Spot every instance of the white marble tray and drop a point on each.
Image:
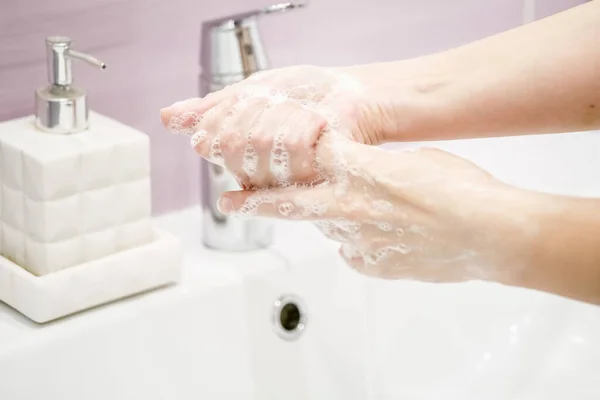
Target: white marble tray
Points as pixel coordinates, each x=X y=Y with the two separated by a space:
x=48 y=297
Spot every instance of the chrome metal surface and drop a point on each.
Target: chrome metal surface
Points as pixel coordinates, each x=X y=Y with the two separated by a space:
x=282 y=7
x=62 y=107
x=289 y=317
x=231 y=51
x=232 y=48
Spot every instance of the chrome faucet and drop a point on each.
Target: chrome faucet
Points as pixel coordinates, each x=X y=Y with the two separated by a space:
x=231 y=51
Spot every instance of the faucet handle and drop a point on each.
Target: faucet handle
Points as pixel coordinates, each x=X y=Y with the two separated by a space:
x=231 y=20
x=59 y=55
x=231 y=47
x=282 y=7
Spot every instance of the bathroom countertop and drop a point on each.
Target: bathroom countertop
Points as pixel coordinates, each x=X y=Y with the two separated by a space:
x=203 y=270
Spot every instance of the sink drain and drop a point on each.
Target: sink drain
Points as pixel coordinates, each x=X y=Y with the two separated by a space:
x=289 y=317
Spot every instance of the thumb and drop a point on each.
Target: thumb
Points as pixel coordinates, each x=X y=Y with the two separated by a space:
x=301 y=203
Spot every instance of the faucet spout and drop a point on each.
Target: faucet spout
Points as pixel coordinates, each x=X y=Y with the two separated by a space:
x=231 y=51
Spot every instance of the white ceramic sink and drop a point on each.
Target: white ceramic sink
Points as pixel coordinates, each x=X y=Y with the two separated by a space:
x=212 y=337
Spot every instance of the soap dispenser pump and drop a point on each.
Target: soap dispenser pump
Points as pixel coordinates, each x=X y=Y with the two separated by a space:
x=62 y=107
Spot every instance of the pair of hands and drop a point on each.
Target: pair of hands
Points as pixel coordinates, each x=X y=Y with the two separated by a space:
x=299 y=139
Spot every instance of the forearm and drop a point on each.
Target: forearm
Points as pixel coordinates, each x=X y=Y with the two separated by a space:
x=540 y=78
x=559 y=246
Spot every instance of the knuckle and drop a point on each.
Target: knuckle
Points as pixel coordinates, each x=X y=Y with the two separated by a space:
x=228 y=140
x=262 y=141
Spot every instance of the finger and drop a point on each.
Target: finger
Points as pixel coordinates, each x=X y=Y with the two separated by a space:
x=293 y=153
x=351 y=255
x=341 y=230
x=232 y=145
x=244 y=122
x=333 y=232
x=280 y=156
x=211 y=126
x=300 y=142
x=270 y=126
x=183 y=116
x=360 y=261
x=295 y=203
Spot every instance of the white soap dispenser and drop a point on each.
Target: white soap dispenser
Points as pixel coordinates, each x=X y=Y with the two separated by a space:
x=75 y=205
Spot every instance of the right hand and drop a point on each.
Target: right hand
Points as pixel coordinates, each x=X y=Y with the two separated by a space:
x=426 y=215
x=265 y=129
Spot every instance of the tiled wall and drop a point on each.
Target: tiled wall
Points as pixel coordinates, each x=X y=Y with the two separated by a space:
x=151 y=48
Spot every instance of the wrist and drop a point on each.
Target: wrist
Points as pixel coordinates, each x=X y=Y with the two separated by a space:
x=544 y=242
x=409 y=99
x=565 y=254
x=506 y=222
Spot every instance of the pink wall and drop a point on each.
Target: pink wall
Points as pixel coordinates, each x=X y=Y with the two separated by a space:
x=151 y=48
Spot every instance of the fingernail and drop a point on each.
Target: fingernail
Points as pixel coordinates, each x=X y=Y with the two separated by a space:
x=225 y=205
x=164 y=116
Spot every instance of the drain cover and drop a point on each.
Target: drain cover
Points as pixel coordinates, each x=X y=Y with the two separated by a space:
x=289 y=317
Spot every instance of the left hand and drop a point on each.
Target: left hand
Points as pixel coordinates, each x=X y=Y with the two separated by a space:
x=264 y=129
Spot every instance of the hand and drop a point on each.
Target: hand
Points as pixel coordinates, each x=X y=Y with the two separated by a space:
x=265 y=129
x=426 y=215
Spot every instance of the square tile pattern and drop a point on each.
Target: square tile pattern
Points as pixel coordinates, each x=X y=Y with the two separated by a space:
x=70 y=199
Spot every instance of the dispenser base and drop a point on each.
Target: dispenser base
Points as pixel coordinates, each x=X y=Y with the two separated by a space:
x=46 y=298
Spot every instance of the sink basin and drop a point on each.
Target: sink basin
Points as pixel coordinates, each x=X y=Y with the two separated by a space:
x=212 y=336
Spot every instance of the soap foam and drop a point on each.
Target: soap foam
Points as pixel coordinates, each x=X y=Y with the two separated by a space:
x=185 y=123
x=250 y=164
x=366 y=242
x=286 y=208
x=280 y=161
x=384 y=226
x=198 y=137
x=215 y=150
